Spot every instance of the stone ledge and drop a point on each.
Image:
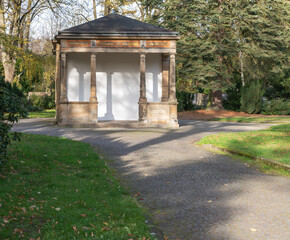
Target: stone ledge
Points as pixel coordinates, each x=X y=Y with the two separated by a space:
x=120 y=124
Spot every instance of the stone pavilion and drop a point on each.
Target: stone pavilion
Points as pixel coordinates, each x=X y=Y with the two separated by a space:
x=116 y=69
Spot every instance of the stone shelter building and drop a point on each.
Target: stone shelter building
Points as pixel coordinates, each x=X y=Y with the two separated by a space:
x=113 y=69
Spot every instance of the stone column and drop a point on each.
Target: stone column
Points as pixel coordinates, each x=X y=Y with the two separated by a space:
x=63 y=104
x=93 y=95
x=165 y=78
x=142 y=78
x=142 y=99
x=63 y=86
x=57 y=81
x=172 y=91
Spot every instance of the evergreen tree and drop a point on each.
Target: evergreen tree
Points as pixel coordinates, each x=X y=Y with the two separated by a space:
x=251 y=100
x=219 y=37
x=261 y=28
x=207 y=44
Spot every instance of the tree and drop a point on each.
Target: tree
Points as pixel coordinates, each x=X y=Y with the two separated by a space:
x=207 y=44
x=219 y=37
x=251 y=101
x=15 y=20
x=147 y=10
x=11 y=109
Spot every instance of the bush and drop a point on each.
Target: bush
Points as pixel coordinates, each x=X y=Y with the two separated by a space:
x=42 y=102
x=185 y=100
x=251 y=97
x=277 y=106
x=12 y=107
x=279 y=87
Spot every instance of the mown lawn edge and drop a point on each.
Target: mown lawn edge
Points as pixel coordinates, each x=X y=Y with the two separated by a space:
x=49 y=192
x=269 y=162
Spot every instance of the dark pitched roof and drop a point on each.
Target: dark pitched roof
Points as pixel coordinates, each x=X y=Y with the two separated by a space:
x=115 y=24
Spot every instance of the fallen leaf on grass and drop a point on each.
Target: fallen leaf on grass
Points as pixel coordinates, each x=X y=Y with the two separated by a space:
x=105 y=228
x=75 y=228
x=16 y=230
x=24 y=210
x=31 y=207
x=83 y=215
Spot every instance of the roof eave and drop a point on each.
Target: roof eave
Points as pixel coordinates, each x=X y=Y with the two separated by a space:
x=67 y=35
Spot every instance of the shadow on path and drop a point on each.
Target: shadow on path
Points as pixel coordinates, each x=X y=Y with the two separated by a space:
x=191 y=193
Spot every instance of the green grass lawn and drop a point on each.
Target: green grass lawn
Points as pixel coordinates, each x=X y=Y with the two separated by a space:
x=54 y=188
x=273 y=143
x=46 y=113
x=254 y=119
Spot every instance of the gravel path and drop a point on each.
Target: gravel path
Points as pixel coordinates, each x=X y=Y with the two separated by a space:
x=191 y=193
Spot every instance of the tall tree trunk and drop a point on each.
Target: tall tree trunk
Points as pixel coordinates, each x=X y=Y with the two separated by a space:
x=27 y=33
x=7 y=61
x=215 y=97
x=8 y=55
x=95 y=9
x=9 y=67
x=26 y=30
x=242 y=67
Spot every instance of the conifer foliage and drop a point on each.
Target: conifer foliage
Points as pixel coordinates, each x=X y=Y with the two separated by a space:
x=220 y=37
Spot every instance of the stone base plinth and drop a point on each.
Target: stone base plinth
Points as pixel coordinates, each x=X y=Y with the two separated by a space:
x=85 y=114
x=160 y=114
x=74 y=113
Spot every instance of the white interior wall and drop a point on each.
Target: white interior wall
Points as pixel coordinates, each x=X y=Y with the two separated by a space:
x=118 y=82
x=78 y=77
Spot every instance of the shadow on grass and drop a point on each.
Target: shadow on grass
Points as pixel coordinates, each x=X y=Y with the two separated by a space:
x=272 y=144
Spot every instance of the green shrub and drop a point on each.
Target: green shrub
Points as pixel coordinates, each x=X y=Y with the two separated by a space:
x=251 y=97
x=42 y=102
x=12 y=107
x=277 y=106
x=185 y=100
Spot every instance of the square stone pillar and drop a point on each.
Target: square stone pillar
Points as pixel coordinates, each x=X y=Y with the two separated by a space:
x=93 y=91
x=172 y=92
x=172 y=87
x=63 y=85
x=142 y=99
x=57 y=81
x=63 y=117
x=165 y=78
